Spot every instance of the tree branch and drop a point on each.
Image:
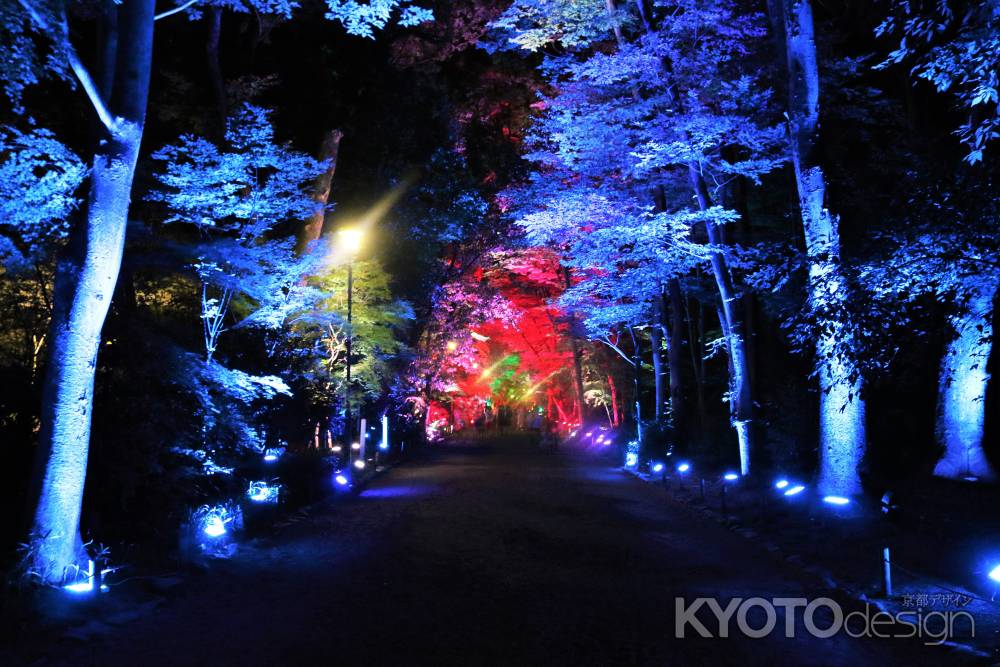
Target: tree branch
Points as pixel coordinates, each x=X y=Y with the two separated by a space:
x=607 y=341
x=176 y=10
x=79 y=69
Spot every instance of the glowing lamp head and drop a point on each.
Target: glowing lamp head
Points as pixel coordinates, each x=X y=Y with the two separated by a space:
x=341 y=480
x=657 y=467
x=350 y=239
x=80 y=587
x=730 y=477
x=262 y=492
x=359 y=464
x=781 y=484
x=683 y=467
x=795 y=490
x=836 y=500
x=995 y=574
x=356 y=446
x=631 y=459
x=588 y=434
x=337 y=449
x=384 y=446
x=214 y=526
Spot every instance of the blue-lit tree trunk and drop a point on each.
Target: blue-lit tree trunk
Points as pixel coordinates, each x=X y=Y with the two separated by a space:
x=85 y=281
x=841 y=409
x=962 y=389
x=733 y=328
x=674 y=353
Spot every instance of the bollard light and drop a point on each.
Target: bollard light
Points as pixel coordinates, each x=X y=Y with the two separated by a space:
x=342 y=480
x=730 y=477
x=657 y=467
x=683 y=467
x=87 y=585
x=359 y=464
x=781 y=484
x=262 y=492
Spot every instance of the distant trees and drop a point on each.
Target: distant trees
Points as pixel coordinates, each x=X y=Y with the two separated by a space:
x=666 y=121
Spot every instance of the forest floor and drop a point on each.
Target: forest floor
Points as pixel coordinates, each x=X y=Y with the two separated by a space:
x=484 y=552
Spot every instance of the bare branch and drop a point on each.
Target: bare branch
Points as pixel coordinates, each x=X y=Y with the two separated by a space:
x=607 y=341
x=176 y=10
x=79 y=69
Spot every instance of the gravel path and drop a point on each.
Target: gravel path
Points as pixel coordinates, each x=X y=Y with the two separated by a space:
x=490 y=552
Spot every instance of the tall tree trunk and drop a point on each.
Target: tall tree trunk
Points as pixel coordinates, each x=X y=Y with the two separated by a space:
x=841 y=409
x=674 y=351
x=84 y=283
x=731 y=319
x=213 y=16
x=615 y=420
x=962 y=390
x=577 y=355
x=656 y=351
x=696 y=337
x=636 y=382
x=313 y=227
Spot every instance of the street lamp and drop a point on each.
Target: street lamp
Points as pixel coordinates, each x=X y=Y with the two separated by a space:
x=350 y=239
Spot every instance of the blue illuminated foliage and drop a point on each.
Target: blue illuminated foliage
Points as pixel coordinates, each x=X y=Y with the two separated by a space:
x=239 y=192
x=364 y=18
x=956 y=48
x=633 y=151
x=38 y=179
x=27 y=58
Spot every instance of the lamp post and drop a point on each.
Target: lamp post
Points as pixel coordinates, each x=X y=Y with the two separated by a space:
x=351 y=242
